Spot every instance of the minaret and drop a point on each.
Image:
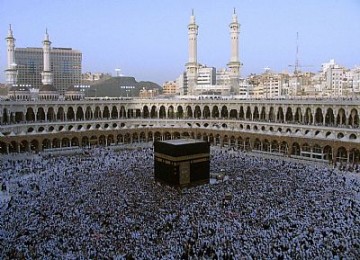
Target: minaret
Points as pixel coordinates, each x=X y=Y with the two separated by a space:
x=192 y=65
x=234 y=64
x=47 y=78
x=11 y=70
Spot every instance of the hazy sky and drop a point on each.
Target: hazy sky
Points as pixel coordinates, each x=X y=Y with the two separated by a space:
x=148 y=39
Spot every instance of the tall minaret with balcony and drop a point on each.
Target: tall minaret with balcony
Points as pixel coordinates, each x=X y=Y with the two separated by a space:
x=47 y=77
x=11 y=70
x=234 y=64
x=192 y=65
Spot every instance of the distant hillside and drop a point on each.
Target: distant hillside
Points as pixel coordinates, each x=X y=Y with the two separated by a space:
x=120 y=87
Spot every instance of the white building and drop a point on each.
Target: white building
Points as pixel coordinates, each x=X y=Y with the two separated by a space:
x=334 y=75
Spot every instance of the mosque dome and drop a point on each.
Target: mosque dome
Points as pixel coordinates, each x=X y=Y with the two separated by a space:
x=73 y=93
x=20 y=92
x=48 y=92
x=47 y=88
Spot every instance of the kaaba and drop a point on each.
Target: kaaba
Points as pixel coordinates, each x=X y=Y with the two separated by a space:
x=182 y=162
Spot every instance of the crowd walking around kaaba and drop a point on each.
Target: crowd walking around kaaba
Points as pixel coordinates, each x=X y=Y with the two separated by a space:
x=105 y=204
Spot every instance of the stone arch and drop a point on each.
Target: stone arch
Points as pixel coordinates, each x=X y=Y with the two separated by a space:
x=135 y=137
x=162 y=112
x=233 y=114
x=114 y=112
x=65 y=142
x=306 y=150
x=256 y=113
x=295 y=149
x=122 y=112
x=319 y=118
x=46 y=144
x=317 y=151
x=289 y=115
x=215 y=112
x=97 y=113
x=157 y=136
x=354 y=156
x=153 y=112
x=119 y=138
x=146 y=112
x=240 y=143
x=176 y=135
x=88 y=113
x=102 y=140
x=171 y=112
x=280 y=115
x=308 y=118
x=5 y=116
x=189 y=112
x=298 y=115
x=342 y=154
x=206 y=112
x=257 y=144
x=56 y=143
x=79 y=113
x=354 y=118
x=34 y=145
x=341 y=117
x=248 y=115
x=266 y=145
x=329 y=117
x=30 y=115
x=51 y=116
x=142 y=137
x=24 y=146
x=13 y=146
x=85 y=141
x=106 y=113
x=272 y=114
x=284 y=147
x=167 y=135
x=70 y=114
x=241 y=113
x=226 y=140
x=263 y=114
x=40 y=115
x=74 y=141
x=150 y=136
x=275 y=147
x=232 y=141
x=328 y=153
x=224 y=112
x=180 y=112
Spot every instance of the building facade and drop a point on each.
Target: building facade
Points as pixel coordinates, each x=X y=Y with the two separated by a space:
x=65 y=66
x=318 y=130
x=25 y=66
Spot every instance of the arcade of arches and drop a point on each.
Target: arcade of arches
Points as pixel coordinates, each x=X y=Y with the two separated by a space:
x=335 y=116
x=32 y=136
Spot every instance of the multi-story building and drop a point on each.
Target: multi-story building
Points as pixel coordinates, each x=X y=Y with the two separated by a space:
x=206 y=76
x=26 y=67
x=334 y=75
x=356 y=80
x=170 y=88
x=65 y=66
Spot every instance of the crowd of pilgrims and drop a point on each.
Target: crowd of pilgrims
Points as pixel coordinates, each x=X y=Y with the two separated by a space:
x=104 y=203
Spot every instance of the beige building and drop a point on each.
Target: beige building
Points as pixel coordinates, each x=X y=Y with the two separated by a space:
x=170 y=88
